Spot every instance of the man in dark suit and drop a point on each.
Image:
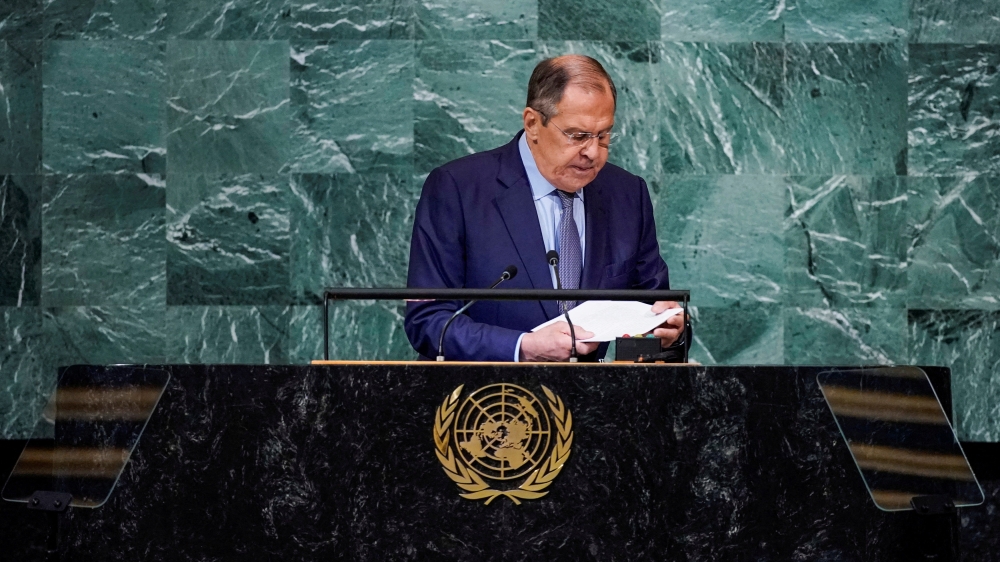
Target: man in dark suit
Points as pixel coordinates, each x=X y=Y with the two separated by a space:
x=550 y=188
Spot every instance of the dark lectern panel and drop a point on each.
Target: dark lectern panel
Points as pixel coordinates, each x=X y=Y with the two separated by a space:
x=338 y=463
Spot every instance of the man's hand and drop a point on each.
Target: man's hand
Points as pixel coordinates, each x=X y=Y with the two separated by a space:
x=552 y=343
x=669 y=331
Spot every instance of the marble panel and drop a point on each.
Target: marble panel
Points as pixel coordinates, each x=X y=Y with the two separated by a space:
x=845 y=20
x=228 y=239
x=352 y=105
x=102 y=240
x=721 y=21
x=143 y=20
x=21 y=107
x=954 y=126
x=103 y=107
x=945 y=21
x=738 y=335
x=469 y=97
x=599 y=20
x=634 y=69
x=231 y=20
x=350 y=230
x=348 y=19
x=227 y=334
x=359 y=330
x=228 y=106
x=954 y=252
x=476 y=19
x=722 y=108
x=24 y=385
x=967 y=341
x=721 y=237
x=21 y=19
x=102 y=335
x=845 y=336
x=845 y=111
x=846 y=241
x=21 y=239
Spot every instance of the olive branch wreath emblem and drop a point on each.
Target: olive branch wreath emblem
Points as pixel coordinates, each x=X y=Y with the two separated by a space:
x=475 y=487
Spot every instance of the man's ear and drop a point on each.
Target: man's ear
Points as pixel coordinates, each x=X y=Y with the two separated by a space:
x=532 y=121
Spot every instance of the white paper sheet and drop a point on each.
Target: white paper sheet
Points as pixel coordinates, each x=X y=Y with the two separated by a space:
x=611 y=319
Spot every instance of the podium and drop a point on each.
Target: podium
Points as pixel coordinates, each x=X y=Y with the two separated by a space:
x=347 y=461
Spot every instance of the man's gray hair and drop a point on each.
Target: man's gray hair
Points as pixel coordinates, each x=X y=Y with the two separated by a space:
x=551 y=77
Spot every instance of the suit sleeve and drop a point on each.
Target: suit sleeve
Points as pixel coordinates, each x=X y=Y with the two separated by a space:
x=438 y=260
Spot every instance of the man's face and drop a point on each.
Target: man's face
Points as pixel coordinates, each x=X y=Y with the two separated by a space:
x=567 y=166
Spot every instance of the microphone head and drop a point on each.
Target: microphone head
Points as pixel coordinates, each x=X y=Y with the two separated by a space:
x=510 y=272
x=553 y=257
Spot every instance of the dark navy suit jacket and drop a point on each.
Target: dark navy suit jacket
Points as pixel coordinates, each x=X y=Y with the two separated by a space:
x=476 y=216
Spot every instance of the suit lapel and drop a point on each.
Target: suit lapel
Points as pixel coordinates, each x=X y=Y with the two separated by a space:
x=597 y=240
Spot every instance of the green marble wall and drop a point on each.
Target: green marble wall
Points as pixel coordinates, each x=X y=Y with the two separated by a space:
x=180 y=178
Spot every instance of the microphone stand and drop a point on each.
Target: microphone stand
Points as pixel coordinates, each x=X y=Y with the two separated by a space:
x=554 y=262
x=508 y=273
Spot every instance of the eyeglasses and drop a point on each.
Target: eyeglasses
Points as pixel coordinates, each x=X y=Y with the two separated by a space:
x=582 y=138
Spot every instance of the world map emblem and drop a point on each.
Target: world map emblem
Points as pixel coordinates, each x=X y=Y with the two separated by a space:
x=502 y=441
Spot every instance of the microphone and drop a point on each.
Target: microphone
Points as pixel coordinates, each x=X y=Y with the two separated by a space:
x=553 y=257
x=508 y=273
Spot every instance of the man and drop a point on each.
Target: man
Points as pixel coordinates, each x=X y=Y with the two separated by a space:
x=550 y=188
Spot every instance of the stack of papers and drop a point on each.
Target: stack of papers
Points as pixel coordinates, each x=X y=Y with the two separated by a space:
x=612 y=319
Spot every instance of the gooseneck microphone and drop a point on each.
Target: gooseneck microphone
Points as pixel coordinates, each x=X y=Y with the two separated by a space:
x=508 y=273
x=553 y=257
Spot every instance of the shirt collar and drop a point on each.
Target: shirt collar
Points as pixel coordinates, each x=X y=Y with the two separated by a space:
x=540 y=187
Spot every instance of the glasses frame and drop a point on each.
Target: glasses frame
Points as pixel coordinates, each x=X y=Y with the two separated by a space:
x=583 y=138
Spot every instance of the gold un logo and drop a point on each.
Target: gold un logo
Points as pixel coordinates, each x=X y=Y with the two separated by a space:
x=502 y=433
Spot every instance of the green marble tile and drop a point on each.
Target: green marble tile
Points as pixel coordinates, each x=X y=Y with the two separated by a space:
x=945 y=21
x=634 y=69
x=352 y=105
x=103 y=106
x=599 y=20
x=103 y=335
x=24 y=384
x=954 y=92
x=721 y=237
x=722 y=108
x=846 y=241
x=102 y=241
x=21 y=19
x=227 y=334
x=476 y=19
x=967 y=341
x=228 y=239
x=845 y=336
x=359 y=330
x=469 y=97
x=350 y=230
x=738 y=335
x=228 y=106
x=21 y=238
x=721 y=21
x=347 y=19
x=106 y=19
x=21 y=102
x=234 y=19
x=845 y=109
x=845 y=20
x=955 y=249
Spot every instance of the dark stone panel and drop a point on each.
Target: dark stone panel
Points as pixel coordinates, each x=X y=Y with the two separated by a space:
x=21 y=238
x=359 y=331
x=24 y=383
x=234 y=19
x=476 y=19
x=945 y=21
x=142 y=20
x=979 y=535
x=228 y=106
x=743 y=334
x=104 y=335
x=103 y=240
x=599 y=20
x=228 y=334
x=954 y=92
x=228 y=240
x=348 y=19
x=845 y=336
x=21 y=19
x=103 y=106
x=21 y=102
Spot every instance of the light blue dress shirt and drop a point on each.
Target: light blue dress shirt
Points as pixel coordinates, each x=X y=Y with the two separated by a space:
x=548 y=205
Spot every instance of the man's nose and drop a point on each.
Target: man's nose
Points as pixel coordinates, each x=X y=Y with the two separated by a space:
x=590 y=149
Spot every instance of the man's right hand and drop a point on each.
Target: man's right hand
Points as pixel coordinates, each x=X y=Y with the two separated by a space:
x=552 y=343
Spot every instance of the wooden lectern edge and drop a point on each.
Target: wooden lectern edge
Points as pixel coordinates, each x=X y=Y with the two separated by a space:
x=482 y=363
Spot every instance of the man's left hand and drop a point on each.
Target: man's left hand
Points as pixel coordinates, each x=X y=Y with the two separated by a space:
x=669 y=331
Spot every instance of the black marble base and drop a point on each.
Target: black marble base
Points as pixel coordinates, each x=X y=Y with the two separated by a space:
x=338 y=463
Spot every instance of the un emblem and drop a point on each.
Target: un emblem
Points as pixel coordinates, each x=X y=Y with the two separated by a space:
x=502 y=432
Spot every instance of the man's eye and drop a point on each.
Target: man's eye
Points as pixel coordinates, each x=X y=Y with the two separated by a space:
x=581 y=136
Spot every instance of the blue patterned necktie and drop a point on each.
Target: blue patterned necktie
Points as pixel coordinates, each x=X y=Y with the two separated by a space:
x=570 y=255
